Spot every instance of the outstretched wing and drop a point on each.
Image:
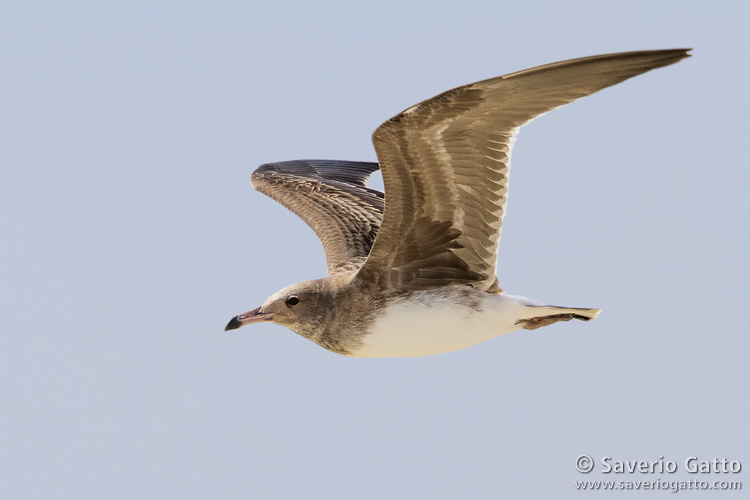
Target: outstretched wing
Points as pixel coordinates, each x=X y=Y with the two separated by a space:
x=331 y=197
x=446 y=162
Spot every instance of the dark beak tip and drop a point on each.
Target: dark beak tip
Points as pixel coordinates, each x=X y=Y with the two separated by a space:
x=233 y=324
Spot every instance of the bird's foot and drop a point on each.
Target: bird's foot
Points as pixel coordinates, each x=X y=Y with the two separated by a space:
x=534 y=323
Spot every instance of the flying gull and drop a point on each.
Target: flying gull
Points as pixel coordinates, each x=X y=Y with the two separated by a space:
x=413 y=273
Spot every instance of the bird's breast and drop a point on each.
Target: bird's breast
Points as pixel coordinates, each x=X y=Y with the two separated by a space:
x=433 y=323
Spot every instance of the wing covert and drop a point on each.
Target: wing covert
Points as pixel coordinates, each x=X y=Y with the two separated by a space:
x=332 y=198
x=446 y=161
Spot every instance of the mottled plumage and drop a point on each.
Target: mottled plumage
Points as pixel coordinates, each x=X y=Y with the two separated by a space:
x=428 y=255
x=331 y=197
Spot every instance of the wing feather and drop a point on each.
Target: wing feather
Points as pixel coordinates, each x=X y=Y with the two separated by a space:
x=446 y=163
x=332 y=198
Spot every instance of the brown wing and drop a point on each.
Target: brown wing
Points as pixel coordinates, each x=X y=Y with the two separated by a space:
x=446 y=162
x=331 y=197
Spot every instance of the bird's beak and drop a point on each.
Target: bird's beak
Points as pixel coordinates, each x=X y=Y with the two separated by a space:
x=254 y=316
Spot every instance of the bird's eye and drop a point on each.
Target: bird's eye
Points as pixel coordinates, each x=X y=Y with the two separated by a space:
x=292 y=300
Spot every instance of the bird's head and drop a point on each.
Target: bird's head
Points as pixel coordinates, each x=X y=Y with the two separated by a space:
x=302 y=308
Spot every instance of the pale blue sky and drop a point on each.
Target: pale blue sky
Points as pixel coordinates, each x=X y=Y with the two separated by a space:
x=131 y=235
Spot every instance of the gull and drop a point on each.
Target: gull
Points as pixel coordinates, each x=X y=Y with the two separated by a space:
x=412 y=272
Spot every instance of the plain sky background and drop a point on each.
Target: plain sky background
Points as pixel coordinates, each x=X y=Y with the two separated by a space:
x=131 y=235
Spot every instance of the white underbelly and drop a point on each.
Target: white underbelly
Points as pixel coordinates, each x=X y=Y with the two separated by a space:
x=429 y=325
